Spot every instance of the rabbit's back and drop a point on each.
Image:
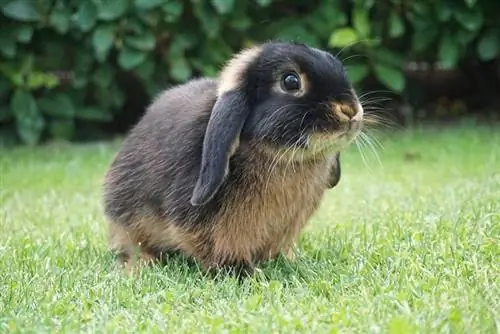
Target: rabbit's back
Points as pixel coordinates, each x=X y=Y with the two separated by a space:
x=157 y=167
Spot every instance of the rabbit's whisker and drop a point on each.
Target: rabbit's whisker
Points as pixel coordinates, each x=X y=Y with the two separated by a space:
x=350 y=45
x=275 y=161
x=368 y=140
x=360 y=96
x=352 y=57
x=361 y=153
x=291 y=158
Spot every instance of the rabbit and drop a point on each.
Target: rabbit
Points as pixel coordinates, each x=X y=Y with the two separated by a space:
x=227 y=171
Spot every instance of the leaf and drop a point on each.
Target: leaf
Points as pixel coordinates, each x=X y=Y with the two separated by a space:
x=134 y=26
x=145 y=42
x=59 y=105
x=388 y=57
x=449 y=51
x=130 y=58
x=93 y=114
x=325 y=18
x=464 y=37
x=199 y=64
x=368 y=4
x=145 y=70
x=470 y=19
x=29 y=121
x=150 y=18
x=360 y=21
x=263 y=3
x=357 y=72
x=223 y=6
x=489 y=45
x=396 y=26
x=102 y=39
x=24 y=33
x=86 y=16
x=390 y=77
x=153 y=88
x=109 y=10
x=60 y=18
x=36 y=80
x=221 y=53
x=12 y=73
x=80 y=80
x=240 y=23
x=470 y=3
x=102 y=76
x=172 y=10
x=179 y=44
x=343 y=37
x=8 y=45
x=26 y=65
x=21 y=10
x=208 y=19
x=298 y=33
x=422 y=8
x=147 y=4
x=444 y=11
x=423 y=38
x=180 y=70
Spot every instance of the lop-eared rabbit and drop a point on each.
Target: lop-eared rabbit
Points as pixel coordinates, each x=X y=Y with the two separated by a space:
x=228 y=170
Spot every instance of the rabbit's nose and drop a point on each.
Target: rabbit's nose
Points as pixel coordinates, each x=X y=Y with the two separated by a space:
x=347 y=110
x=344 y=111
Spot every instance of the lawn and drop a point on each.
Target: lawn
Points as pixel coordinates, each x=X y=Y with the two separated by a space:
x=410 y=244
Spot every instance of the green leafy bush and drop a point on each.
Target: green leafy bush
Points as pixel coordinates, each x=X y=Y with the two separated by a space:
x=73 y=69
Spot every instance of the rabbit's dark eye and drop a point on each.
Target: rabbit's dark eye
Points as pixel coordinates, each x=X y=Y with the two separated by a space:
x=290 y=82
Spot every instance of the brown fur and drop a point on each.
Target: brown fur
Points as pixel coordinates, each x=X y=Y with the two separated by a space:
x=246 y=229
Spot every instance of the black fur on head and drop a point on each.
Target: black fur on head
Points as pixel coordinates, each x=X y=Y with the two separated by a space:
x=280 y=95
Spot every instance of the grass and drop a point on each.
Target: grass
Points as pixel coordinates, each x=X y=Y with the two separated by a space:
x=412 y=245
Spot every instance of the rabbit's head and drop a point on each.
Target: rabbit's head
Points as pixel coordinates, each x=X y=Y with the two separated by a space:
x=284 y=97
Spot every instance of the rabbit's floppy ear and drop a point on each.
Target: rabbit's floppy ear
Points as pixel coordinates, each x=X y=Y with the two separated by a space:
x=221 y=139
x=224 y=127
x=335 y=172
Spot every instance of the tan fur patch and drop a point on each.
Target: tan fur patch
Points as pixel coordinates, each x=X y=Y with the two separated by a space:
x=150 y=232
x=266 y=220
x=233 y=72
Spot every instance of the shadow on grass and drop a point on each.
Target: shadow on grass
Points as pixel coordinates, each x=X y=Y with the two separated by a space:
x=310 y=266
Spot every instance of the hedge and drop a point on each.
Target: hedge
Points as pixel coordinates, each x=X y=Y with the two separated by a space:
x=73 y=69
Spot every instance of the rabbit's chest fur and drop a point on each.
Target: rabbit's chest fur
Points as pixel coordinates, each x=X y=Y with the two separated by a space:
x=267 y=212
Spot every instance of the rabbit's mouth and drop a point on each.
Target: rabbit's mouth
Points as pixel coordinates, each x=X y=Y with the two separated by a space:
x=329 y=143
x=349 y=123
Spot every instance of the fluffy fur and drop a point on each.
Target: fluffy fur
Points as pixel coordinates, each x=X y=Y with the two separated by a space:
x=229 y=170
